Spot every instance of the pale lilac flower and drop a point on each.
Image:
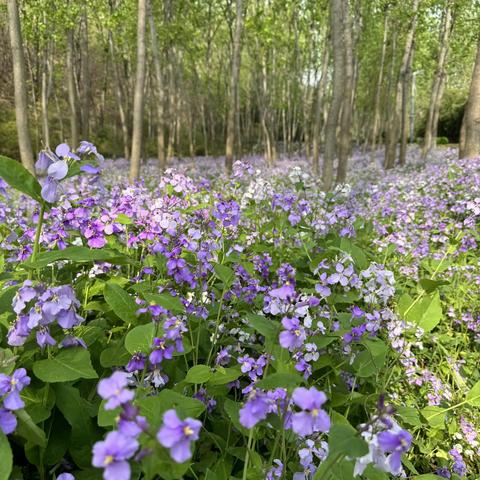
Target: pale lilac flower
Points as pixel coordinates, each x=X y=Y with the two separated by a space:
x=312 y=418
x=113 y=389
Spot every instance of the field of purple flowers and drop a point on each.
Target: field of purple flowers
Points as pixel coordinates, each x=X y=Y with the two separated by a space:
x=253 y=327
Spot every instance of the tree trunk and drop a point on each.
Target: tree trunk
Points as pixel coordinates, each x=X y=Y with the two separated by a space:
x=345 y=136
x=402 y=156
x=392 y=132
x=44 y=97
x=160 y=101
x=378 y=90
x=19 y=80
x=138 y=104
x=85 y=76
x=471 y=119
x=72 y=95
x=318 y=113
x=234 y=78
x=119 y=97
x=438 y=84
x=336 y=25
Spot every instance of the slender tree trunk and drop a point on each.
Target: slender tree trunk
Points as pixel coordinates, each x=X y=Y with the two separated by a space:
x=119 y=98
x=392 y=132
x=138 y=104
x=72 y=96
x=234 y=79
x=85 y=76
x=20 y=81
x=160 y=101
x=378 y=90
x=402 y=156
x=336 y=26
x=438 y=84
x=470 y=146
x=345 y=137
x=318 y=113
x=44 y=97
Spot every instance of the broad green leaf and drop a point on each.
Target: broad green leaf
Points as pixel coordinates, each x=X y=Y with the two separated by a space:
x=435 y=416
x=18 y=177
x=114 y=356
x=221 y=376
x=140 y=338
x=426 y=313
x=68 y=365
x=6 y=457
x=344 y=439
x=198 y=374
x=123 y=219
x=280 y=380
x=409 y=415
x=77 y=254
x=121 y=302
x=165 y=300
x=265 y=326
x=370 y=361
x=427 y=476
x=6 y=299
x=473 y=396
x=224 y=273
x=27 y=429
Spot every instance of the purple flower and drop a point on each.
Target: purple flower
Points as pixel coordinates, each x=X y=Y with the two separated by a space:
x=44 y=338
x=11 y=388
x=130 y=423
x=255 y=409
x=294 y=335
x=112 y=455
x=459 y=467
x=161 y=351
x=284 y=292
x=443 y=472
x=276 y=471
x=65 y=476
x=136 y=363
x=8 y=421
x=63 y=150
x=113 y=389
x=395 y=443
x=177 y=435
x=312 y=418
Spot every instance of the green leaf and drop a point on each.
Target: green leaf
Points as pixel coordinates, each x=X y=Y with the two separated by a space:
x=6 y=456
x=198 y=374
x=70 y=364
x=266 y=327
x=77 y=254
x=27 y=429
x=370 y=361
x=426 y=313
x=427 y=476
x=221 y=376
x=154 y=407
x=276 y=380
x=344 y=439
x=409 y=415
x=6 y=298
x=123 y=219
x=18 y=177
x=165 y=300
x=114 y=356
x=121 y=302
x=430 y=285
x=435 y=416
x=473 y=396
x=224 y=273
x=140 y=338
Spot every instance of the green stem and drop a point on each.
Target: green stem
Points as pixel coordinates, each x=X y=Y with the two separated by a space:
x=247 y=454
x=36 y=242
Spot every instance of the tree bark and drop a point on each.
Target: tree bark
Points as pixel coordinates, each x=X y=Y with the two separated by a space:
x=392 y=132
x=160 y=100
x=19 y=80
x=85 y=76
x=138 y=104
x=234 y=79
x=72 y=95
x=470 y=146
x=318 y=113
x=438 y=84
x=378 y=90
x=345 y=136
x=44 y=96
x=336 y=25
x=407 y=78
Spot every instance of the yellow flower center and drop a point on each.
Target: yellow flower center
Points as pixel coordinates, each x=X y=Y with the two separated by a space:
x=187 y=431
x=13 y=381
x=315 y=412
x=108 y=460
x=297 y=332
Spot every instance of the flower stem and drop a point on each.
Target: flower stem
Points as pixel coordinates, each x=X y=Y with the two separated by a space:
x=36 y=242
x=247 y=455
